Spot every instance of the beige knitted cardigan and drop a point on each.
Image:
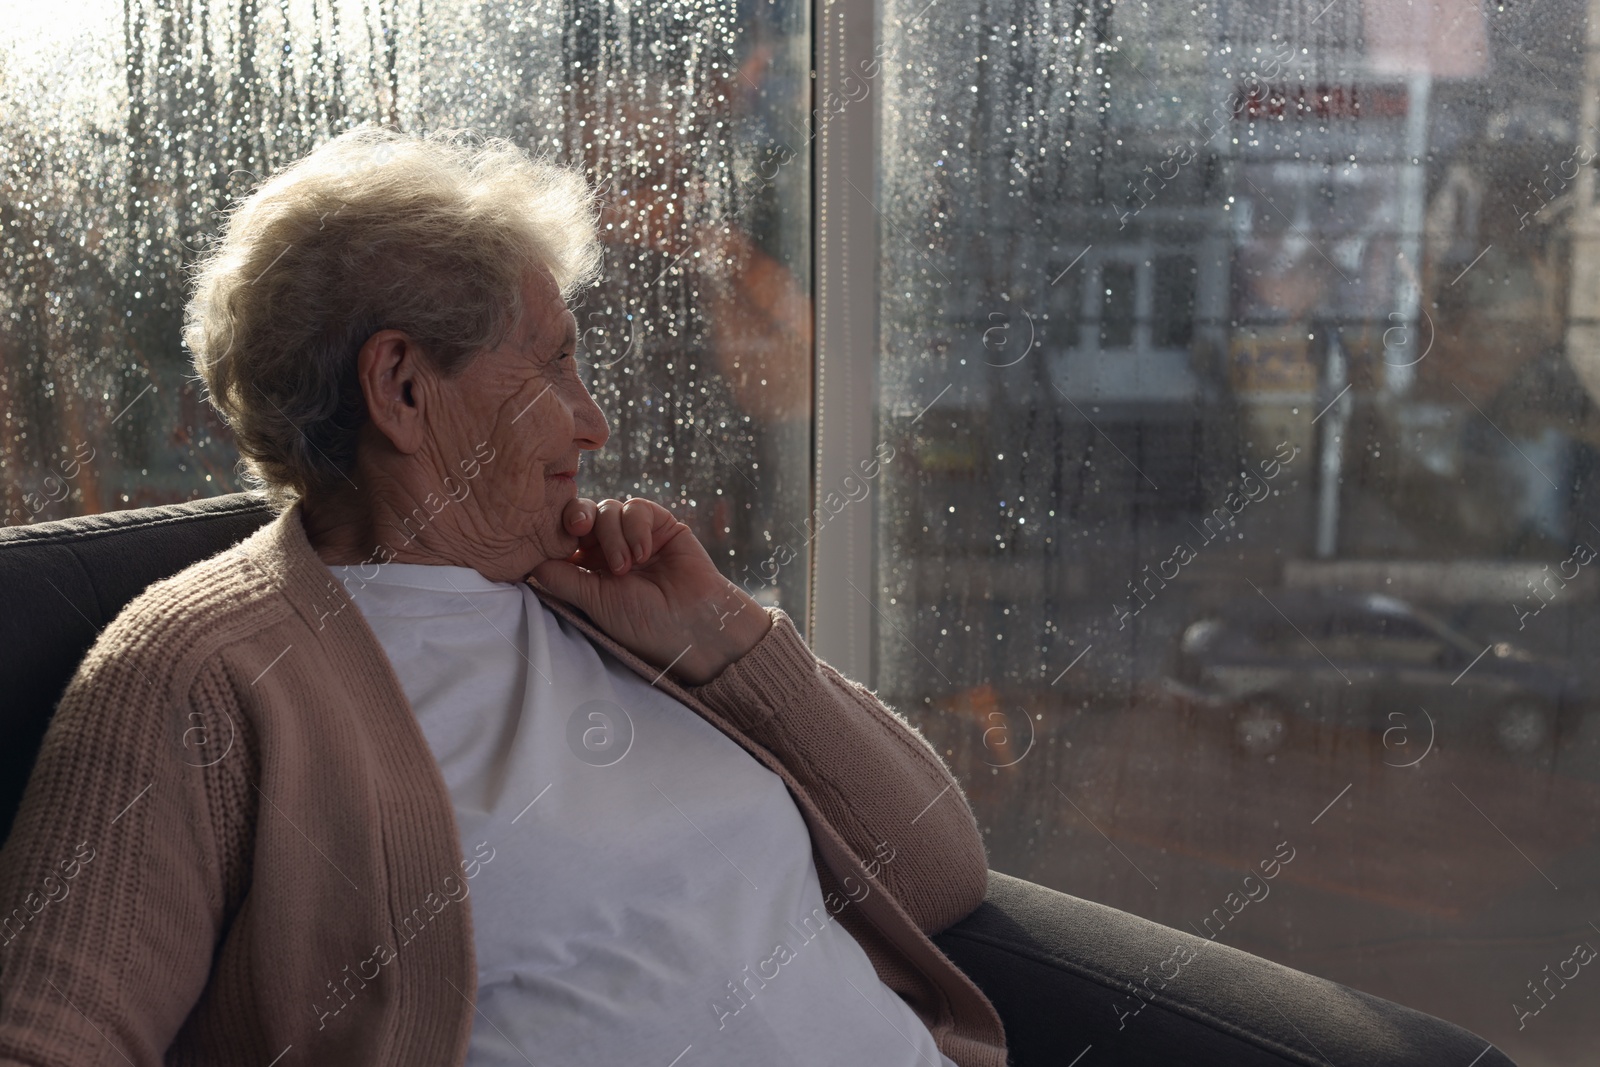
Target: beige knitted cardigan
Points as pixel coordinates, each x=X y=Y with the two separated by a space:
x=235 y=826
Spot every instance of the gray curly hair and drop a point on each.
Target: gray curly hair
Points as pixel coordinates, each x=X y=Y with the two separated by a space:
x=434 y=236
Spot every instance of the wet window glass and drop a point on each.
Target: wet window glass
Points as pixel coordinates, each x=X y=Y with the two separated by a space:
x=1282 y=529
x=128 y=128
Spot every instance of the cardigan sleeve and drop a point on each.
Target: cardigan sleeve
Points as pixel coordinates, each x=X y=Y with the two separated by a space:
x=870 y=771
x=113 y=888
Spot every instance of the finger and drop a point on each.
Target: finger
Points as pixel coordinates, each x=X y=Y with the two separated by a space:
x=638 y=518
x=578 y=516
x=608 y=533
x=673 y=532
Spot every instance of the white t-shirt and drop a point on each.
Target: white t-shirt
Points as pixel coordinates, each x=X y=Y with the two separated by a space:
x=651 y=900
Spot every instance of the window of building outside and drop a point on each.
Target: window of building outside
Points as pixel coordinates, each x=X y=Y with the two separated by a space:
x=1237 y=363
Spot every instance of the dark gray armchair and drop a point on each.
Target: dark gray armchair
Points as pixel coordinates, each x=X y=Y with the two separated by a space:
x=1065 y=974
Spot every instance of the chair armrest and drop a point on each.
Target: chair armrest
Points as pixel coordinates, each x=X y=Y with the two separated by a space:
x=1066 y=974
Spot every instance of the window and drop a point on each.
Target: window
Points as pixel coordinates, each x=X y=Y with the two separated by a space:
x=1328 y=280
x=127 y=130
x=1161 y=337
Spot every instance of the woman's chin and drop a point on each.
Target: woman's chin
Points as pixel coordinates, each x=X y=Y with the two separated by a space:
x=564 y=543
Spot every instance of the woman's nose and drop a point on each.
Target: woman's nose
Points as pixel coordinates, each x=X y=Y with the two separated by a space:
x=590 y=428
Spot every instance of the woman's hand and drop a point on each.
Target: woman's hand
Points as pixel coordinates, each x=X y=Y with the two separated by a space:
x=645 y=579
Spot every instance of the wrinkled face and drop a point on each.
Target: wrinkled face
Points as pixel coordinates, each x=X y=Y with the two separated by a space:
x=511 y=429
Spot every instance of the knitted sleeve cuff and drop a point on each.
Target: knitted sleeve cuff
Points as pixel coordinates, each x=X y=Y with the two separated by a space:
x=753 y=687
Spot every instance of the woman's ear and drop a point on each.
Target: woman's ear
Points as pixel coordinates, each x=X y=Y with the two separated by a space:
x=389 y=366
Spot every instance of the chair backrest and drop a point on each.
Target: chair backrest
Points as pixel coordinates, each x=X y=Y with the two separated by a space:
x=64 y=581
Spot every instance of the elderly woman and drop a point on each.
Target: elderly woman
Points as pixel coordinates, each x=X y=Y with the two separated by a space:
x=448 y=764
